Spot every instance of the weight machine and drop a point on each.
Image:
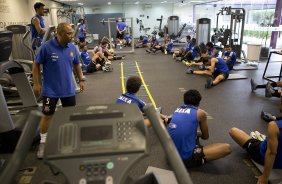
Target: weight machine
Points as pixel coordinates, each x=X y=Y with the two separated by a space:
x=232 y=35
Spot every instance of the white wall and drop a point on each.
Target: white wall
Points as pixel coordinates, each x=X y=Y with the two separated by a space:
x=13 y=12
x=21 y=11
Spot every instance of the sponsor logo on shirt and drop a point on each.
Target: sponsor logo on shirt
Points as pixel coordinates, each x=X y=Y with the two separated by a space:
x=71 y=54
x=124 y=99
x=54 y=57
x=181 y=110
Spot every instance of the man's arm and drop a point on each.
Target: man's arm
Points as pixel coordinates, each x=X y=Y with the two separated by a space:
x=271 y=152
x=36 y=78
x=212 y=67
x=78 y=71
x=36 y=23
x=202 y=118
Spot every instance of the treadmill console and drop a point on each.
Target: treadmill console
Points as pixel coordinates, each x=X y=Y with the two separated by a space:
x=96 y=144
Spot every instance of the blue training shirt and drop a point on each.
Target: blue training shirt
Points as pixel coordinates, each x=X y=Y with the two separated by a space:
x=130 y=98
x=221 y=66
x=263 y=147
x=183 y=130
x=57 y=64
x=121 y=25
x=81 y=33
x=211 y=51
x=34 y=33
x=231 y=55
x=85 y=58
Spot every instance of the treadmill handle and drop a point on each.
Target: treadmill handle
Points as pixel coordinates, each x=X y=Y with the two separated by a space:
x=8 y=174
x=175 y=161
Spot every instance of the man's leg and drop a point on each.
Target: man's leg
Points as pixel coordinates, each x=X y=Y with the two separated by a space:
x=48 y=109
x=218 y=79
x=216 y=151
x=239 y=136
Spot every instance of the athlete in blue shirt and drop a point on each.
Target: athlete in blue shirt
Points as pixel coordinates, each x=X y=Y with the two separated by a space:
x=58 y=58
x=185 y=122
x=211 y=51
x=218 y=70
x=121 y=27
x=229 y=57
x=267 y=152
x=142 y=42
x=37 y=25
x=82 y=31
x=133 y=85
x=89 y=64
x=127 y=40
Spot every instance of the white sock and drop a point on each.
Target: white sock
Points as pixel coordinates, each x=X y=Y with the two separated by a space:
x=43 y=137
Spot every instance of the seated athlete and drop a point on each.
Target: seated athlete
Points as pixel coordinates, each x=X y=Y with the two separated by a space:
x=229 y=57
x=141 y=42
x=127 y=40
x=168 y=45
x=267 y=152
x=89 y=65
x=218 y=70
x=133 y=85
x=182 y=129
x=211 y=51
x=182 y=51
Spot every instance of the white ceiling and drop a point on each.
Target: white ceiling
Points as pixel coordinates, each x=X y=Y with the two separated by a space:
x=90 y=3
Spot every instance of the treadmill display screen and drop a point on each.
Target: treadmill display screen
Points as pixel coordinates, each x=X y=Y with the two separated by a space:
x=96 y=133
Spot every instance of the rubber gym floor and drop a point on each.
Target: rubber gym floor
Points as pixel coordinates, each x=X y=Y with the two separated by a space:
x=230 y=104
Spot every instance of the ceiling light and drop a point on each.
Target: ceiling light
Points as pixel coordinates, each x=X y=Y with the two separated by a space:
x=109 y=3
x=197 y=1
x=81 y=4
x=162 y=2
x=165 y=1
x=137 y=2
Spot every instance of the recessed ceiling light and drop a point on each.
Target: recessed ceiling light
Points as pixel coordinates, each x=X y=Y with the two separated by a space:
x=137 y=2
x=80 y=4
x=109 y=3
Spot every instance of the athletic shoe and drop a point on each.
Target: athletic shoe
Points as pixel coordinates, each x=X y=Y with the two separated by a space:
x=147 y=50
x=202 y=67
x=108 y=62
x=267 y=116
x=189 y=71
x=209 y=83
x=40 y=151
x=260 y=136
x=253 y=135
x=173 y=55
x=269 y=90
x=165 y=51
x=253 y=85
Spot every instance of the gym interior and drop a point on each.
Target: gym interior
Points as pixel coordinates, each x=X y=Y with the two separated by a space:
x=83 y=143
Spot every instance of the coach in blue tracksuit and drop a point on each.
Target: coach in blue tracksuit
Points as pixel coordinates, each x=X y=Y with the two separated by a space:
x=58 y=58
x=182 y=129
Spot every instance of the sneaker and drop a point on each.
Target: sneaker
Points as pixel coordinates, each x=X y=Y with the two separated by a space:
x=147 y=50
x=108 y=62
x=253 y=135
x=189 y=71
x=178 y=58
x=165 y=52
x=202 y=67
x=269 y=90
x=173 y=55
x=267 y=116
x=253 y=85
x=260 y=136
x=40 y=151
x=209 y=83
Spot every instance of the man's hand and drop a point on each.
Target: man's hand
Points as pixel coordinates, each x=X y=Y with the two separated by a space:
x=37 y=89
x=82 y=86
x=262 y=180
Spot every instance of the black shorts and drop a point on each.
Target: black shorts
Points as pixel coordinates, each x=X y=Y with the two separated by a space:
x=197 y=158
x=216 y=73
x=82 y=40
x=252 y=146
x=119 y=36
x=91 y=67
x=49 y=104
